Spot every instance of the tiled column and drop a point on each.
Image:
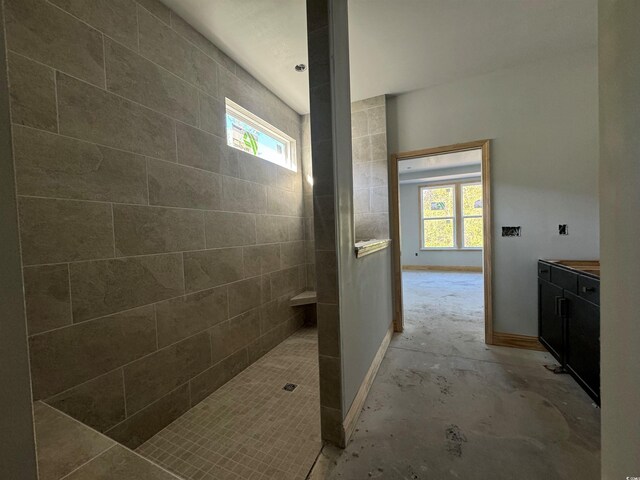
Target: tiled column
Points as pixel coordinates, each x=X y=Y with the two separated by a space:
x=17 y=453
x=330 y=142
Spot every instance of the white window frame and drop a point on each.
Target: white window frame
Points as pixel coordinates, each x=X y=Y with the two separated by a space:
x=463 y=216
x=235 y=110
x=458 y=215
x=423 y=219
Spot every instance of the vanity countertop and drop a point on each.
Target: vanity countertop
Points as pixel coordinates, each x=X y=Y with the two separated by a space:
x=587 y=267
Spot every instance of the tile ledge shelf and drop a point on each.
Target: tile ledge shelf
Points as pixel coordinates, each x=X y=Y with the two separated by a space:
x=371 y=246
x=305 y=298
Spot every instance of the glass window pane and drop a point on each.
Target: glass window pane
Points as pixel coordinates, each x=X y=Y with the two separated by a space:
x=471 y=200
x=437 y=202
x=244 y=137
x=438 y=233
x=473 y=232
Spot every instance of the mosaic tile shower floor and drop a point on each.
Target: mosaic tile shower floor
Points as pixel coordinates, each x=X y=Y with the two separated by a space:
x=251 y=428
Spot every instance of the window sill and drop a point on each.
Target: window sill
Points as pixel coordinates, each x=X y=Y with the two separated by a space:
x=371 y=246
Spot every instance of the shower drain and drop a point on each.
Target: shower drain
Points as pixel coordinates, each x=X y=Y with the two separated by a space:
x=290 y=387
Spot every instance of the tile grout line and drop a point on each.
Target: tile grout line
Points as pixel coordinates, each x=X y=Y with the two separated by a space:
x=124 y=395
x=115 y=444
x=158 y=159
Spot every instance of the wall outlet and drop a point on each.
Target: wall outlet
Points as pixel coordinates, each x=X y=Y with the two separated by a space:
x=416 y=254
x=511 y=231
x=562 y=229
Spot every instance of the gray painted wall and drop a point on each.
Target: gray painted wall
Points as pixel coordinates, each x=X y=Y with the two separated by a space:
x=17 y=450
x=410 y=224
x=543 y=122
x=365 y=284
x=619 y=71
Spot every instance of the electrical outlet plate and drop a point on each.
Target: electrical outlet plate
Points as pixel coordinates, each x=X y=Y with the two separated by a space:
x=511 y=231
x=563 y=229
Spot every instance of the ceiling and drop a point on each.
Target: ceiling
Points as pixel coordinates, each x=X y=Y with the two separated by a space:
x=395 y=46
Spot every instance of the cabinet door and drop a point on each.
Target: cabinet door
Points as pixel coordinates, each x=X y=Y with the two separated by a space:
x=583 y=343
x=550 y=322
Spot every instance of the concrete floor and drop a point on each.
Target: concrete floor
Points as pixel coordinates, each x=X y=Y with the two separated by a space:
x=446 y=406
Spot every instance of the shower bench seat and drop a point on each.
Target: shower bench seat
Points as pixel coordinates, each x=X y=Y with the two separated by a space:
x=305 y=298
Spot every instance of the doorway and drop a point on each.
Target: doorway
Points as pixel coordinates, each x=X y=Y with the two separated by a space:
x=446 y=180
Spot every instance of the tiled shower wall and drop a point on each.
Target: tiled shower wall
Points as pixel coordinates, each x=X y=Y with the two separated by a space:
x=158 y=262
x=370 y=175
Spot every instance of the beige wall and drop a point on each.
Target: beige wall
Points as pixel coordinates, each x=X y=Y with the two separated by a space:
x=619 y=78
x=158 y=262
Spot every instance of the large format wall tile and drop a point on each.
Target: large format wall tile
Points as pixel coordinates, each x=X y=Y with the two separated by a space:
x=285 y=281
x=210 y=268
x=106 y=286
x=138 y=79
x=62 y=443
x=158 y=9
x=53 y=231
x=177 y=186
x=200 y=149
x=275 y=313
x=213 y=378
x=255 y=169
x=165 y=47
x=43 y=32
x=141 y=426
x=212 y=115
x=182 y=317
x=141 y=230
x=33 y=94
x=91 y=114
x=116 y=18
x=234 y=334
x=292 y=254
x=55 y=166
x=225 y=229
x=272 y=229
x=63 y=358
x=283 y=202
x=98 y=403
x=157 y=374
x=244 y=295
x=46 y=294
x=195 y=37
x=243 y=196
x=261 y=259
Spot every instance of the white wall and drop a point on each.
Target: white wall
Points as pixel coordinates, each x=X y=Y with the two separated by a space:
x=543 y=122
x=619 y=71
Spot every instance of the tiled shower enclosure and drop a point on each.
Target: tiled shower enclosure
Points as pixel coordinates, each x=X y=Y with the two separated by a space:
x=158 y=262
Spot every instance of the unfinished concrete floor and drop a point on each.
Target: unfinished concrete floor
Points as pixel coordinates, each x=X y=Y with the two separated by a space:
x=446 y=406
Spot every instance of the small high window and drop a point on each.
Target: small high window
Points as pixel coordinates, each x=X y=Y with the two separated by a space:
x=251 y=134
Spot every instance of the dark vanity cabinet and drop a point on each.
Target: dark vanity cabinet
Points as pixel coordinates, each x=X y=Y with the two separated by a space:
x=569 y=319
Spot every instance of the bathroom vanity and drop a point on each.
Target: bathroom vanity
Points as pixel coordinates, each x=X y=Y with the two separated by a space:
x=569 y=318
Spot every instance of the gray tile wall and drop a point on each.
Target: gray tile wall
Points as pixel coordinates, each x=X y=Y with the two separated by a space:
x=158 y=262
x=370 y=176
